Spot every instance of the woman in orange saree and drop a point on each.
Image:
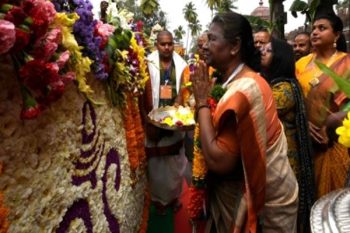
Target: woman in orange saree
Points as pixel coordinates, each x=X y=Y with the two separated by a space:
x=324 y=101
x=250 y=181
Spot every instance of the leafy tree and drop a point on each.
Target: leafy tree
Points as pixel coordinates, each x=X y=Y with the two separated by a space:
x=278 y=18
x=226 y=5
x=190 y=16
x=212 y=4
x=195 y=27
x=258 y=23
x=149 y=19
x=221 y=5
x=302 y=7
x=309 y=9
x=148 y=7
x=189 y=12
x=178 y=33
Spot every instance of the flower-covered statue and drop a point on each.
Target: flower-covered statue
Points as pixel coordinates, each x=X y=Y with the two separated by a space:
x=78 y=164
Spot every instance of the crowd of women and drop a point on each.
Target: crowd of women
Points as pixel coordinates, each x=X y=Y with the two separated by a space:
x=270 y=144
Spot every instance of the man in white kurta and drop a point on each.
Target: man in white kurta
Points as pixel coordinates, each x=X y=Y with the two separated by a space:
x=166 y=158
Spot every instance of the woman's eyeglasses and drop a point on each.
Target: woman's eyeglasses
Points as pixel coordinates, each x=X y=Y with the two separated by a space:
x=266 y=50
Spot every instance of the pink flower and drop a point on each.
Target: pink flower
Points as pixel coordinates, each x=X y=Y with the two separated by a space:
x=7 y=36
x=104 y=30
x=62 y=59
x=42 y=12
x=47 y=45
x=69 y=76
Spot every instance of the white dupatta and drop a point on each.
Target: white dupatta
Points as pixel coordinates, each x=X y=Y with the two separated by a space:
x=154 y=71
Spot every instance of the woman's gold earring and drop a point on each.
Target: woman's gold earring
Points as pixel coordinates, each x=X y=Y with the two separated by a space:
x=334 y=44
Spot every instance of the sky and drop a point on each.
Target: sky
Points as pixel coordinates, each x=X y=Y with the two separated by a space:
x=174 y=8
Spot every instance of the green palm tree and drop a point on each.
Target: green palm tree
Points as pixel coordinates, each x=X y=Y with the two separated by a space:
x=226 y=5
x=213 y=4
x=179 y=32
x=189 y=12
x=195 y=27
x=190 y=16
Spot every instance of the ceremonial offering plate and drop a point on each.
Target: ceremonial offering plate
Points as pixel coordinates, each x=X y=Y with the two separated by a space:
x=173 y=118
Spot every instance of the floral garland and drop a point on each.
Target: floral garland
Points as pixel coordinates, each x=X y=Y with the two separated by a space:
x=84 y=32
x=134 y=136
x=196 y=206
x=80 y=63
x=67 y=46
x=129 y=70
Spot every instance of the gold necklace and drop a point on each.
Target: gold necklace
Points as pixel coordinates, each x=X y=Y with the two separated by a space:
x=315 y=80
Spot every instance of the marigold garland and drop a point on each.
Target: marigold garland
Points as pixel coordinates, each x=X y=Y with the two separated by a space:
x=131 y=140
x=199 y=172
x=134 y=135
x=140 y=135
x=199 y=165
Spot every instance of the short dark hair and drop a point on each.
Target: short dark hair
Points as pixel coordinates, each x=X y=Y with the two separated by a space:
x=164 y=32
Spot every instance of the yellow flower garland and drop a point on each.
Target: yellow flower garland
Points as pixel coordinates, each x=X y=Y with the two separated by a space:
x=78 y=63
x=140 y=56
x=199 y=166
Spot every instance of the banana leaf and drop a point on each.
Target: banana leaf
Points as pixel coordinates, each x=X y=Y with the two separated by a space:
x=342 y=82
x=312 y=9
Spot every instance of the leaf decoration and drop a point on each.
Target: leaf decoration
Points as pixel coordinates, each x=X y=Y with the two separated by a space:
x=342 y=82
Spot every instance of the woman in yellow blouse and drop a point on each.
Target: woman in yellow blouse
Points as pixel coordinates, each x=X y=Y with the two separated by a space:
x=324 y=100
x=277 y=61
